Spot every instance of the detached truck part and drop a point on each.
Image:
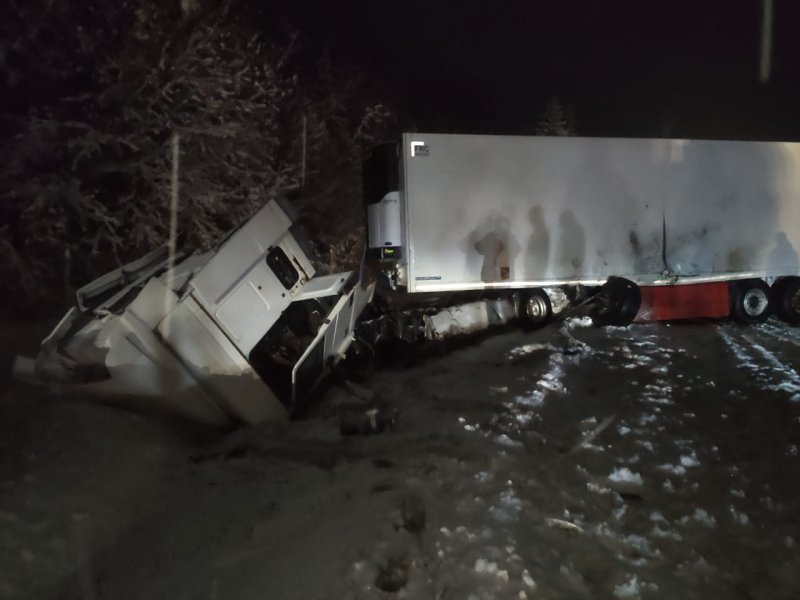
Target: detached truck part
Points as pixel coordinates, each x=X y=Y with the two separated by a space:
x=239 y=335
x=669 y=228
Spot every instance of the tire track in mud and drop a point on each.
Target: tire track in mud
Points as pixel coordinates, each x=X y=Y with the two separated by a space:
x=480 y=549
x=766 y=365
x=647 y=508
x=477 y=494
x=622 y=551
x=778 y=330
x=668 y=508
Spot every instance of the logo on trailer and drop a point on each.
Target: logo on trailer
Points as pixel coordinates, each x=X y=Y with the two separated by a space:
x=420 y=149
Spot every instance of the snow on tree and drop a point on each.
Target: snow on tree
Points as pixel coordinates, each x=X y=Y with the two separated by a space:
x=92 y=94
x=555 y=120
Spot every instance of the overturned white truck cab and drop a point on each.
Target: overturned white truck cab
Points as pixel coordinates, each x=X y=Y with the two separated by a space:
x=241 y=334
x=666 y=228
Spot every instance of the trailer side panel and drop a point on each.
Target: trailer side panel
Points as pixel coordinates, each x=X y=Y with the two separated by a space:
x=505 y=212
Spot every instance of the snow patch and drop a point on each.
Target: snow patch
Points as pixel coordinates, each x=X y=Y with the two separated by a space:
x=633 y=587
x=507 y=509
x=598 y=489
x=657 y=400
x=528 y=580
x=533 y=399
x=504 y=440
x=579 y=322
x=674 y=469
x=529 y=349
x=690 y=461
x=629 y=589
x=699 y=516
x=738 y=517
x=647 y=419
x=483 y=476
x=669 y=534
x=625 y=475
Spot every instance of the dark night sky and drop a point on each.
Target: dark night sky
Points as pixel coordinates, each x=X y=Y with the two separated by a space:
x=628 y=68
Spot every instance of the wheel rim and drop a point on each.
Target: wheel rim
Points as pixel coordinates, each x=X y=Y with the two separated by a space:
x=755 y=302
x=536 y=309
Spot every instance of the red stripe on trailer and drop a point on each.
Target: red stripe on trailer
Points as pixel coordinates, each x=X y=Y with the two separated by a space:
x=694 y=301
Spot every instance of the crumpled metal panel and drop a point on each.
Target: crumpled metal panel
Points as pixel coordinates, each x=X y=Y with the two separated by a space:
x=468 y=318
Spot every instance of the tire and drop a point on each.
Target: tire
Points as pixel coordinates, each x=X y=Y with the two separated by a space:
x=785 y=299
x=618 y=303
x=535 y=309
x=750 y=301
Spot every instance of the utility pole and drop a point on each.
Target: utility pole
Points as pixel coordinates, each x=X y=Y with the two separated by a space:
x=765 y=59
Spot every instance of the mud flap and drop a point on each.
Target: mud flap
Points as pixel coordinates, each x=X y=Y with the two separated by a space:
x=329 y=347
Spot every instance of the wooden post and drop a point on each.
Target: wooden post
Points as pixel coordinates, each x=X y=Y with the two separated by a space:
x=765 y=59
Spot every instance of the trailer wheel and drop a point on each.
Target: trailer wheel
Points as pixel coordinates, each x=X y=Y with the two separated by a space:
x=535 y=308
x=749 y=301
x=618 y=303
x=785 y=299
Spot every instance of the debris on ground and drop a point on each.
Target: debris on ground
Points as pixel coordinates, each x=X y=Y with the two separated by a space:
x=473 y=493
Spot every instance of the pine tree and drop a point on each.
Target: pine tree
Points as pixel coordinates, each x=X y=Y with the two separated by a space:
x=554 y=120
x=92 y=95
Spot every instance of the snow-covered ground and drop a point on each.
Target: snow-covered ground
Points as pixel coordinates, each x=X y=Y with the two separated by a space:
x=651 y=461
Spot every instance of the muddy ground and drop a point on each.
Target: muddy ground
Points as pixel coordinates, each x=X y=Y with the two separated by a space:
x=651 y=461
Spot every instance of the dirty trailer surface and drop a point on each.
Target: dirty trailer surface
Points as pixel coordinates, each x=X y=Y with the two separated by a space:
x=649 y=461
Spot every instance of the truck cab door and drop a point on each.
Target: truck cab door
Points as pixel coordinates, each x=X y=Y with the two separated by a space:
x=331 y=343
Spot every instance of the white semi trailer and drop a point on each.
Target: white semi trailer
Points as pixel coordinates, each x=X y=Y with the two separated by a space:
x=673 y=228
